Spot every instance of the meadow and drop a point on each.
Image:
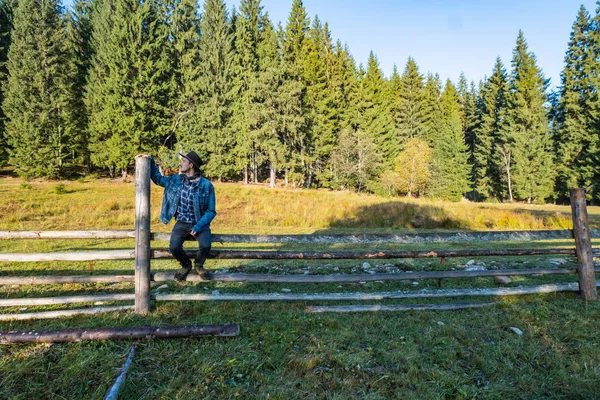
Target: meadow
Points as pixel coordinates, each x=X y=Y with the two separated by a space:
x=282 y=351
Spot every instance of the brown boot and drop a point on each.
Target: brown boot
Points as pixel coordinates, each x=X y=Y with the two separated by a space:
x=183 y=272
x=204 y=274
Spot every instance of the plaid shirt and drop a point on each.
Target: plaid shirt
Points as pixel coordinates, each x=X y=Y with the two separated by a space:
x=185 y=210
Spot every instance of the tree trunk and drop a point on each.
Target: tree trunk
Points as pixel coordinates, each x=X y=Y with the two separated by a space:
x=273 y=172
x=246 y=175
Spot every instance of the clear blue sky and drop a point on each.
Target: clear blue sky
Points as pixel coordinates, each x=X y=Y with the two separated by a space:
x=443 y=36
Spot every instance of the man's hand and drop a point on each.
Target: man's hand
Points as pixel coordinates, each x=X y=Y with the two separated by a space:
x=193 y=233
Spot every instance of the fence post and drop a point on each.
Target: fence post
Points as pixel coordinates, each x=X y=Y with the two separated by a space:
x=142 y=235
x=583 y=244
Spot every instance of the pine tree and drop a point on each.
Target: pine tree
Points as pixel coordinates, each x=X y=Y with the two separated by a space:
x=38 y=98
x=320 y=108
x=411 y=110
x=468 y=99
x=79 y=37
x=450 y=169
x=432 y=122
x=128 y=89
x=245 y=75
x=376 y=113
x=526 y=136
x=293 y=38
x=184 y=23
x=575 y=138
x=6 y=25
x=215 y=139
x=487 y=161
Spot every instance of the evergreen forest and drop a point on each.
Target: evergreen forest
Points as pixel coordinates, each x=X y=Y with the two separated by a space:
x=89 y=87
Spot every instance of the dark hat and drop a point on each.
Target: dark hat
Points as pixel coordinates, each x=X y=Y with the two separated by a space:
x=194 y=158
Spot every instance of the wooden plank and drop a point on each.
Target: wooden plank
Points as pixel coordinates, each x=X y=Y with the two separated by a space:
x=140 y=332
x=51 y=280
x=62 y=313
x=583 y=244
x=44 y=301
x=108 y=234
x=429 y=237
x=398 y=307
x=278 y=255
x=334 y=278
x=142 y=235
x=414 y=294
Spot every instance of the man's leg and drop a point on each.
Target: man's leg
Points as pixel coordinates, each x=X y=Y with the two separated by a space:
x=204 y=240
x=180 y=232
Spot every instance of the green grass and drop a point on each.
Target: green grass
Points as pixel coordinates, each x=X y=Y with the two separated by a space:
x=283 y=352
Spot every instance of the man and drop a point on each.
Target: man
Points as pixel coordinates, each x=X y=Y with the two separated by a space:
x=190 y=198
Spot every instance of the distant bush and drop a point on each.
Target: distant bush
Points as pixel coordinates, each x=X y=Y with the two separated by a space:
x=60 y=189
x=25 y=186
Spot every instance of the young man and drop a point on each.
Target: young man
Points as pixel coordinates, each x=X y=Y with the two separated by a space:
x=190 y=198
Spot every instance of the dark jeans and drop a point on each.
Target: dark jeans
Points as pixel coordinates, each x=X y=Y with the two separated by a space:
x=181 y=232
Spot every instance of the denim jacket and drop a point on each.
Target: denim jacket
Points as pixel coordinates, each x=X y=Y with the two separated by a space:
x=204 y=198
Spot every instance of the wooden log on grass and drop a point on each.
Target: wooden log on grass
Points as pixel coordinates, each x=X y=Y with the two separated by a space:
x=44 y=301
x=62 y=313
x=398 y=307
x=585 y=258
x=408 y=294
x=278 y=255
x=110 y=234
x=338 y=278
x=53 y=280
x=433 y=237
x=139 y=332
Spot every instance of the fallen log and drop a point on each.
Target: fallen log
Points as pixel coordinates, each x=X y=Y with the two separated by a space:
x=44 y=301
x=140 y=332
x=407 y=294
x=62 y=313
x=398 y=307
x=277 y=255
x=296 y=278
x=49 y=280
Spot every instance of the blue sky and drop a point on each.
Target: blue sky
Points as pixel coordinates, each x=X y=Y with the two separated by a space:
x=443 y=36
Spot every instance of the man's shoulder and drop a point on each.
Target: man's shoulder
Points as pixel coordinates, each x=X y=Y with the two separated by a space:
x=206 y=183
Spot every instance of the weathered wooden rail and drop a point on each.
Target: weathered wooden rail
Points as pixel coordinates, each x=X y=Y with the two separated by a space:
x=143 y=253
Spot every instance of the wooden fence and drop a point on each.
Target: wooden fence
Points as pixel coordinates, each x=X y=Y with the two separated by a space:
x=143 y=253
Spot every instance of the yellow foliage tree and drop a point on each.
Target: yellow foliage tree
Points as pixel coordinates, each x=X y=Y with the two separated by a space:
x=412 y=167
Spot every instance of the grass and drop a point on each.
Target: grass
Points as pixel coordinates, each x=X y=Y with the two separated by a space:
x=283 y=352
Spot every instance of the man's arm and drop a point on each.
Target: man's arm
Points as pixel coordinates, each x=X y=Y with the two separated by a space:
x=155 y=174
x=209 y=214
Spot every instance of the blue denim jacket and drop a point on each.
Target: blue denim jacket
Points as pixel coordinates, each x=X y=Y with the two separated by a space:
x=204 y=198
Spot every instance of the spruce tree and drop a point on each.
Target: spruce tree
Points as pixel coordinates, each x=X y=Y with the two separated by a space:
x=184 y=26
x=468 y=99
x=526 y=135
x=215 y=140
x=38 y=97
x=128 y=89
x=6 y=25
x=293 y=38
x=450 y=169
x=487 y=160
x=432 y=122
x=245 y=75
x=376 y=113
x=411 y=110
x=320 y=110
x=575 y=136
x=79 y=38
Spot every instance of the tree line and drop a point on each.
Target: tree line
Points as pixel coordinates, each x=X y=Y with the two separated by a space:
x=107 y=79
